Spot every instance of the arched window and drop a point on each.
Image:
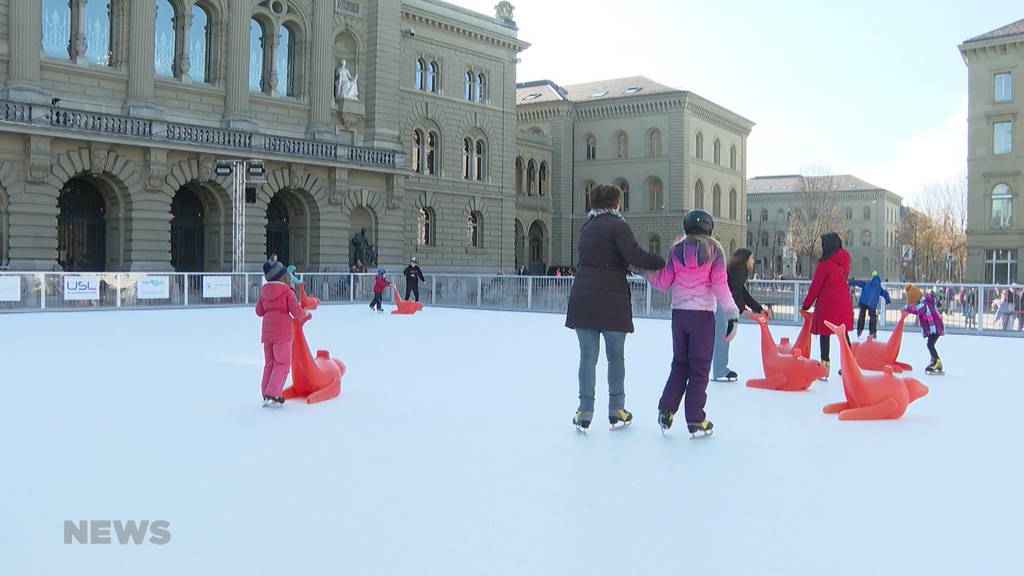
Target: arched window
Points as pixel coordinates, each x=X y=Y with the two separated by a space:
x=621 y=146
x=867 y=212
x=285 y=67
x=764 y=214
x=165 y=39
x=257 y=55
x=425 y=227
x=732 y=203
x=473 y=230
x=481 y=160
x=417 y=150
x=519 y=174
x=624 y=186
x=750 y=217
x=542 y=181
x=750 y=238
x=1002 y=206
x=699 y=148
x=56 y=29
x=732 y=157
x=654 y=244
x=698 y=195
x=431 y=155
x=467 y=158
x=591 y=146
x=848 y=213
x=865 y=265
x=848 y=238
x=470 y=79
x=718 y=151
x=531 y=177
x=481 y=88
x=865 y=238
x=780 y=238
x=433 y=77
x=586 y=195
x=716 y=201
x=655 y=195
x=654 y=143
x=781 y=216
x=420 y=79
x=764 y=238
x=199 y=49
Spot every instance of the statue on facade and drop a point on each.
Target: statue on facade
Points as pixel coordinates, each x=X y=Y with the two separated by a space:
x=345 y=83
x=504 y=11
x=362 y=250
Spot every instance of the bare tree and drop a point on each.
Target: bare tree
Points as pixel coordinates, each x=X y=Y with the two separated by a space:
x=815 y=211
x=939 y=228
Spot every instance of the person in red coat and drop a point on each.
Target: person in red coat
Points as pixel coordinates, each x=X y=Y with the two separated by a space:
x=277 y=306
x=829 y=293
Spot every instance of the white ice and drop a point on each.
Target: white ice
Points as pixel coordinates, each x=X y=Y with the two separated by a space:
x=450 y=451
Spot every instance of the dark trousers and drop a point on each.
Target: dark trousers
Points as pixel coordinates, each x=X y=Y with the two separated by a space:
x=375 y=303
x=825 y=343
x=872 y=325
x=413 y=287
x=931 y=346
x=693 y=343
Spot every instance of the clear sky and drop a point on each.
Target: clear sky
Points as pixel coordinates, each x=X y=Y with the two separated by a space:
x=873 y=88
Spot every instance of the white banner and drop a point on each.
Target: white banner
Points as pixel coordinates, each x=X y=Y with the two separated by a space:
x=154 y=288
x=10 y=288
x=81 y=288
x=216 y=286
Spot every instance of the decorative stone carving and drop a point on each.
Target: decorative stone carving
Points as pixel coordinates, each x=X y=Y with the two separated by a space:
x=156 y=168
x=505 y=11
x=38 y=159
x=297 y=178
x=98 y=159
x=395 y=193
x=345 y=83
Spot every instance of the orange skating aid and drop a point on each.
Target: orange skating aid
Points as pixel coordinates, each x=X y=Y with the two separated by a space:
x=803 y=340
x=405 y=306
x=314 y=378
x=875 y=396
x=874 y=355
x=782 y=371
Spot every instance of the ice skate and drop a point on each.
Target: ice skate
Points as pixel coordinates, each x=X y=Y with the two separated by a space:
x=729 y=377
x=620 y=419
x=700 y=430
x=582 y=421
x=935 y=368
x=275 y=402
x=266 y=400
x=664 y=420
x=824 y=378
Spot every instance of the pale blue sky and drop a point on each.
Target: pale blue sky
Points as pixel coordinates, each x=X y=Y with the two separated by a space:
x=874 y=88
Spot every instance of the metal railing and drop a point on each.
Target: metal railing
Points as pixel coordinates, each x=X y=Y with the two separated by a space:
x=966 y=308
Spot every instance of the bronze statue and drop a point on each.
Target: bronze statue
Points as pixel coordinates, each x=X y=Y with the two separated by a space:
x=362 y=250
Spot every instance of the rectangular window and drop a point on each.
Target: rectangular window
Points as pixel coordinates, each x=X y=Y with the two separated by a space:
x=1002 y=211
x=1004 y=87
x=1000 y=266
x=1002 y=133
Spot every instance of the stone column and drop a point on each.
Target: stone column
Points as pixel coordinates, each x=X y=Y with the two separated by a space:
x=236 y=81
x=321 y=70
x=183 y=52
x=142 y=27
x=25 y=41
x=79 y=42
x=383 y=73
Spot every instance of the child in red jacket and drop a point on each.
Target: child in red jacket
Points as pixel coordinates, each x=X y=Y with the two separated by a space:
x=379 y=284
x=277 y=306
x=830 y=293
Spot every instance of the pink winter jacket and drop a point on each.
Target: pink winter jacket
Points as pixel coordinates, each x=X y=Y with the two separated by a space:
x=698 y=282
x=277 y=302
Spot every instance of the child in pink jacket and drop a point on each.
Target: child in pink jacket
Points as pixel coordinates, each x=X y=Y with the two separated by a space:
x=696 y=275
x=277 y=306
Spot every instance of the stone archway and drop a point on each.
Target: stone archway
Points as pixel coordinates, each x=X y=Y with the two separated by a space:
x=81 y=227
x=292 y=225
x=188 y=236
x=538 y=248
x=362 y=220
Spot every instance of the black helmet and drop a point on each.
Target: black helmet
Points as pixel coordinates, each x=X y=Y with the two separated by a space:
x=698 y=222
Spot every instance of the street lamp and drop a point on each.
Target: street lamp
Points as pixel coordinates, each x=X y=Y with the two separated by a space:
x=246 y=174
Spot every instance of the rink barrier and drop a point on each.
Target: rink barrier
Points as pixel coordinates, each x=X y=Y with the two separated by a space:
x=68 y=291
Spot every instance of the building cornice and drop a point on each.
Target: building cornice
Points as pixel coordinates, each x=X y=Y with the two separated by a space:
x=425 y=17
x=714 y=114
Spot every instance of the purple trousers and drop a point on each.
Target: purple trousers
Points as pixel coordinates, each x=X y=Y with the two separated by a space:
x=693 y=344
x=277 y=362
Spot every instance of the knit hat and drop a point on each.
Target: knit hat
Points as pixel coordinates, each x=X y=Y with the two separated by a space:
x=413 y=259
x=874 y=273
x=267 y=265
x=914 y=294
x=273 y=271
x=381 y=272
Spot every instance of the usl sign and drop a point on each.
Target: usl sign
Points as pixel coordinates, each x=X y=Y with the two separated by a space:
x=154 y=288
x=10 y=288
x=216 y=286
x=81 y=288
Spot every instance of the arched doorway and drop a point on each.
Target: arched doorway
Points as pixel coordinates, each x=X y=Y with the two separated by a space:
x=519 y=239
x=361 y=219
x=187 y=235
x=277 y=229
x=81 y=227
x=537 y=264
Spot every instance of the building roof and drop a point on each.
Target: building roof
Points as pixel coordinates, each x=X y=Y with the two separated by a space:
x=1014 y=29
x=791 y=183
x=548 y=91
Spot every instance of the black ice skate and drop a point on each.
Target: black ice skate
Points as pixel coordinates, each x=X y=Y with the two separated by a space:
x=620 y=419
x=582 y=421
x=664 y=420
x=701 y=430
x=274 y=402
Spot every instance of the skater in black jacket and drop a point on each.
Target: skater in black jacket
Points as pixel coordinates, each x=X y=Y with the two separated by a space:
x=413 y=277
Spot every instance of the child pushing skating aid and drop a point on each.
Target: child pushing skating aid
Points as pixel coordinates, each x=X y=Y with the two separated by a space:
x=930 y=319
x=277 y=304
x=379 y=284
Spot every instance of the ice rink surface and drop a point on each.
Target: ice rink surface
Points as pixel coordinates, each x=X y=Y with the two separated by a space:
x=450 y=451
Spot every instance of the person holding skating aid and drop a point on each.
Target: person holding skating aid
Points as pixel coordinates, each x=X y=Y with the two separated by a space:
x=870 y=291
x=740 y=265
x=696 y=275
x=928 y=317
x=379 y=284
x=829 y=293
x=277 y=305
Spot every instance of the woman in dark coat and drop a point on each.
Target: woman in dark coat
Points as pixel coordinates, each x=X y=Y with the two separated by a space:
x=600 y=303
x=739 y=267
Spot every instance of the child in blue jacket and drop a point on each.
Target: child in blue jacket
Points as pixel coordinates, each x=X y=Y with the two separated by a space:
x=870 y=291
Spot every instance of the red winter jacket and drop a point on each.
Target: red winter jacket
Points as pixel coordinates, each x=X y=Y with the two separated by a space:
x=830 y=293
x=277 y=302
x=379 y=284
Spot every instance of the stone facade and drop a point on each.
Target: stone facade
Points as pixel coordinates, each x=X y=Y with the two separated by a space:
x=872 y=217
x=109 y=135
x=635 y=133
x=995 y=155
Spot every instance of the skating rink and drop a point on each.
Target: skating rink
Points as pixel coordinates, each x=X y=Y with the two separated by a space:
x=451 y=452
